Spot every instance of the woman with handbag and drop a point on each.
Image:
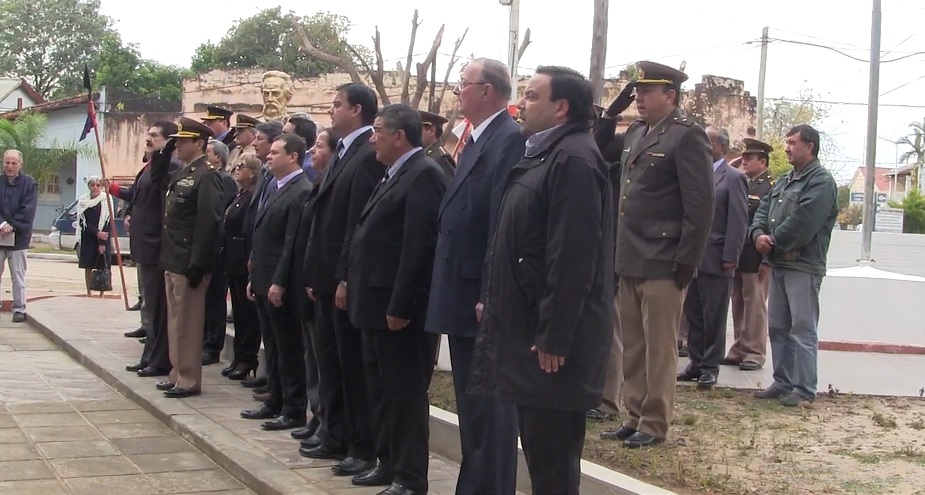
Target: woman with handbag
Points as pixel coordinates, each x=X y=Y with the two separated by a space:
x=94 y=251
x=238 y=231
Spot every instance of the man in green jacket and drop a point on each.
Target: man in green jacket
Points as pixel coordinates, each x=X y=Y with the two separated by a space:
x=792 y=229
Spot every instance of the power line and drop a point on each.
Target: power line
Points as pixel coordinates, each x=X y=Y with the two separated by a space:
x=851 y=103
x=816 y=45
x=904 y=85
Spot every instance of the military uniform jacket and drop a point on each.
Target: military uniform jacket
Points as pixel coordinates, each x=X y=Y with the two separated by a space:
x=236 y=155
x=192 y=215
x=759 y=187
x=438 y=154
x=665 y=209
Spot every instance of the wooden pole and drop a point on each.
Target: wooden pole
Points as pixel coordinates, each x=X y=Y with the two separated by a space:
x=598 y=49
x=112 y=216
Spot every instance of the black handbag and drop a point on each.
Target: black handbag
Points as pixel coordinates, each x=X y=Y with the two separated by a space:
x=101 y=278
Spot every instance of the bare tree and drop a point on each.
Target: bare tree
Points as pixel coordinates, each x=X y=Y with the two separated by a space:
x=435 y=105
x=312 y=51
x=406 y=76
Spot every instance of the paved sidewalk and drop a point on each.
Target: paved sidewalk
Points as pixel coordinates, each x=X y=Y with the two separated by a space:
x=268 y=462
x=64 y=431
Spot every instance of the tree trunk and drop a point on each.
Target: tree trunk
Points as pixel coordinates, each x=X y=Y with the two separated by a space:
x=422 y=69
x=310 y=50
x=449 y=69
x=406 y=80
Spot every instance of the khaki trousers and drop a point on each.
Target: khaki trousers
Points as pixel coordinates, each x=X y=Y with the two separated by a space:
x=186 y=313
x=749 y=319
x=650 y=312
x=613 y=380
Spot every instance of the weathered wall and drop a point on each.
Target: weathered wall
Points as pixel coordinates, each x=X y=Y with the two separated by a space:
x=716 y=100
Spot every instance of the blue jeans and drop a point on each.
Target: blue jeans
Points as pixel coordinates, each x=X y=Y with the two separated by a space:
x=793 y=326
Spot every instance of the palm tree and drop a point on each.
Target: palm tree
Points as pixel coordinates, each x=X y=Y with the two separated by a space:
x=25 y=133
x=915 y=141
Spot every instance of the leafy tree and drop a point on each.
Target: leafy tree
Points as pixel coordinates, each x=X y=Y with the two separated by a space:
x=916 y=153
x=851 y=215
x=121 y=66
x=844 y=197
x=25 y=134
x=781 y=115
x=913 y=206
x=48 y=42
x=266 y=40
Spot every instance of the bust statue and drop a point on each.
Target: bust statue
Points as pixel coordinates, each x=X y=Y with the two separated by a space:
x=276 y=88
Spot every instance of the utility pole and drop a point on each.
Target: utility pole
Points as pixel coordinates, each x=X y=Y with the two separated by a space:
x=513 y=43
x=598 y=48
x=762 y=72
x=870 y=157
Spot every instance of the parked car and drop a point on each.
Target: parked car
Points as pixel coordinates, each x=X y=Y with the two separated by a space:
x=65 y=234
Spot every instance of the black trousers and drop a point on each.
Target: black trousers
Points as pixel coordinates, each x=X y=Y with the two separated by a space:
x=552 y=443
x=154 y=291
x=487 y=432
x=706 y=307
x=286 y=381
x=398 y=367
x=246 y=323
x=306 y=321
x=330 y=380
x=213 y=334
x=349 y=424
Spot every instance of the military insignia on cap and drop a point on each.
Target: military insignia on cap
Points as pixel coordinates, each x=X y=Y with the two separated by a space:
x=640 y=73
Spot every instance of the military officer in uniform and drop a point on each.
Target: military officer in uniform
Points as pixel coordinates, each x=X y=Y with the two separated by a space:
x=191 y=224
x=750 y=285
x=219 y=120
x=433 y=131
x=244 y=136
x=665 y=212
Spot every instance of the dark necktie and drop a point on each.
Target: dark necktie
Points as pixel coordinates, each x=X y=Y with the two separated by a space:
x=335 y=161
x=265 y=190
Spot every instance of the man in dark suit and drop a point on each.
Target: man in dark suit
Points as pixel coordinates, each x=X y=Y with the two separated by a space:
x=391 y=255
x=271 y=263
x=548 y=314
x=345 y=188
x=191 y=222
x=148 y=203
x=750 y=285
x=707 y=303
x=468 y=213
x=665 y=210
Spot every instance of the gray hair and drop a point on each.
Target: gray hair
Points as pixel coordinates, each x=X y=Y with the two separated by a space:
x=220 y=149
x=722 y=137
x=497 y=75
x=94 y=179
x=14 y=152
x=403 y=118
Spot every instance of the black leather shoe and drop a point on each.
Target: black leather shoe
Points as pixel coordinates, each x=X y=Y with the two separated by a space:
x=304 y=433
x=227 y=371
x=378 y=476
x=243 y=371
x=311 y=442
x=689 y=375
x=262 y=412
x=728 y=362
x=180 y=393
x=706 y=381
x=254 y=382
x=142 y=340
x=136 y=306
x=749 y=366
x=398 y=489
x=136 y=334
x=135 y=367
x=260 y=390
x=640 y=439
x=283 y=423
x=322 y=452
x=599 y=415
x=149 y=371
x=208 y=359
x=620 y=434
x=165 y=386
x=351 y=466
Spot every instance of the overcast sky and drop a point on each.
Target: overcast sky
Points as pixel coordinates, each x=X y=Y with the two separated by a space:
x=719 y=37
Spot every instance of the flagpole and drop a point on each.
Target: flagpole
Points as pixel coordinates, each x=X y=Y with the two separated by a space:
x=91 y=111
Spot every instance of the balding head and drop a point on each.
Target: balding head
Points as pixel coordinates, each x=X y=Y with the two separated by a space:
x=12 y=163
x=484 y=89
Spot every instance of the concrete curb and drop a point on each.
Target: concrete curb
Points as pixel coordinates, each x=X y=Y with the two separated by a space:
x=52 y=257
x=259 y=472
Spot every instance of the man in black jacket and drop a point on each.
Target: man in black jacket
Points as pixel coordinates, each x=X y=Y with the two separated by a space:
x=191 y=222
x=147 y=203
x=548 y=315
x=275 y=230
x=391 y=255
x=343 y=192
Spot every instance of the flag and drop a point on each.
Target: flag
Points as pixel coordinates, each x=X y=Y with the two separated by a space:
x=91 y=109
